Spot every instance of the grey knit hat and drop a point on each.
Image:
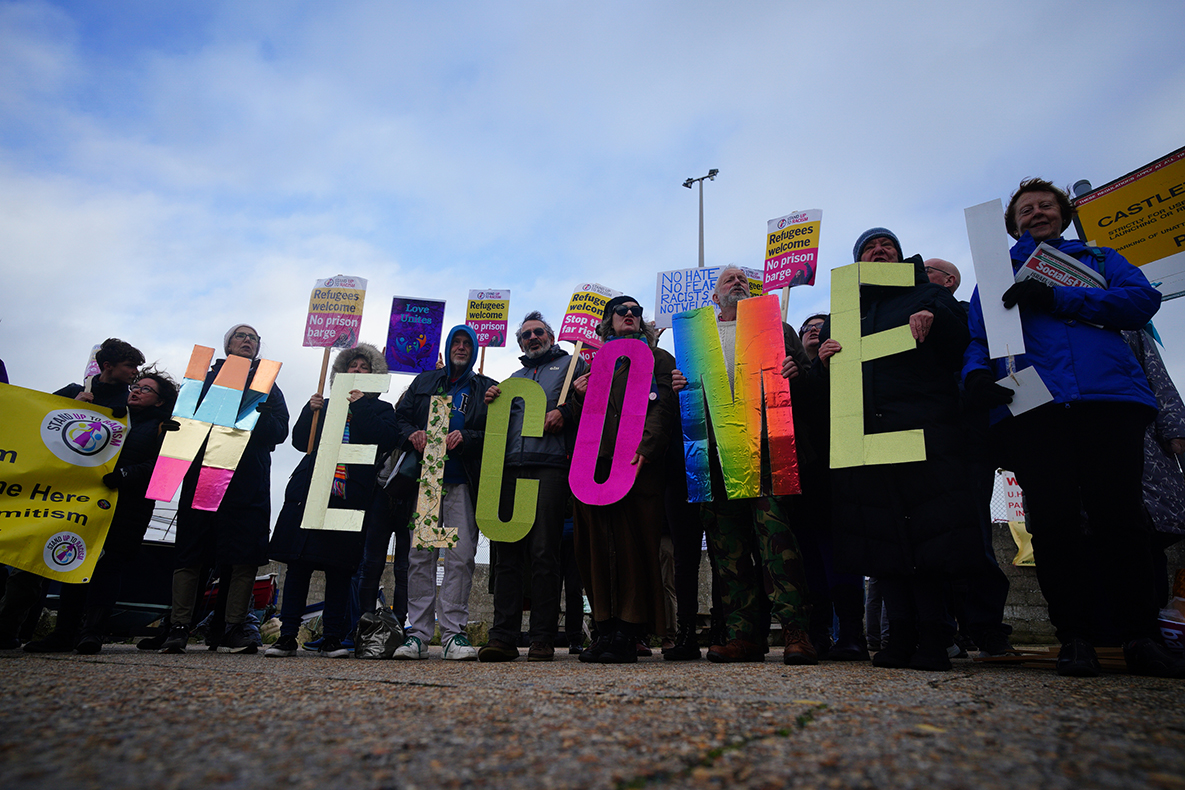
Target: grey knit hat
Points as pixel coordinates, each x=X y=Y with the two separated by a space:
x=236 y=328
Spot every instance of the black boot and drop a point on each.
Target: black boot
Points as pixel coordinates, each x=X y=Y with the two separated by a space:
x=899 y=649
x=931 y=654
x=622 y=647
x=850 y=644
x=686 y=643
x=90 y=636
x=157 y=641
x=605 y=630
x=54 y=642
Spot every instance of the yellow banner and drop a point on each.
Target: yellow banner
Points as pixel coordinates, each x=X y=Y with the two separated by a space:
x=54 y=508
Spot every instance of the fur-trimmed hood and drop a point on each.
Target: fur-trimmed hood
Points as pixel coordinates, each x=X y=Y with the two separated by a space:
x=378 y=362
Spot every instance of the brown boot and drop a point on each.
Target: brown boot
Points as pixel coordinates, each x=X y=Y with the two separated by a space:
x=541 y=651
x=736 y=651
x=798 y=651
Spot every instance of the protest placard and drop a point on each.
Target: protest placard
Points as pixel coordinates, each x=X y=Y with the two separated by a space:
x=993 y=273
x=792 y=250
x=413 y=334
x=680 y=290
x=54 y=508
x=488 y=312
x=585 y=310
x=335 y=312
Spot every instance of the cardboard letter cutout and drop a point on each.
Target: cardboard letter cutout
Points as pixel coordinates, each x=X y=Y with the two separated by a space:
x=226 y=416
x=331 y=452
x=429 y=533
x=629 y=428
x=849 y=445
x=736 y=420
x=493 y=461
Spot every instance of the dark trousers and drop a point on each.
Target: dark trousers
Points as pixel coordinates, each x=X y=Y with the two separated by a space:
x=917 y=612
x=832 y=594
x=687 y=539
x=295 y=598
x=978 y=596
x=1086 y=458
x=539 y=551
x=573 y=589
x=383 y=520
x=83 y=608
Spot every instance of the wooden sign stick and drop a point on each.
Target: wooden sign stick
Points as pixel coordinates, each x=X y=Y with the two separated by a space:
x=571 y=370
x=316 y=414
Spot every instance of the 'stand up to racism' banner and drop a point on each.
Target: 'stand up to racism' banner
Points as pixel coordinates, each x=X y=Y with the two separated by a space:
x=792 y=249
x=413 y=336
x=488 y=312
x=54 y=508
x=335 y=313
x=680 y=290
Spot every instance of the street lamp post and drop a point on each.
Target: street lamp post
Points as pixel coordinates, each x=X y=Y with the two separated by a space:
x=711 y=176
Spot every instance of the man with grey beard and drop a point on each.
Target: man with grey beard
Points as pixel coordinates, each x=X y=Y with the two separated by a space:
x=544 y=459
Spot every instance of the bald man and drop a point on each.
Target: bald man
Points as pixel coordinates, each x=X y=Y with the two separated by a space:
x=943 y=273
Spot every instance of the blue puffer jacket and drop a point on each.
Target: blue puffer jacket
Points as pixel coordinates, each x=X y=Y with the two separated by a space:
x=1077 y=361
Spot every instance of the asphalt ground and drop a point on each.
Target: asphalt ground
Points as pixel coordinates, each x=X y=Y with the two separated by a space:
x=126 y=718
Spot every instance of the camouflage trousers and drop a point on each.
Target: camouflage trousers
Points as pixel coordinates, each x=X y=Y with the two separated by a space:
x=756 y=552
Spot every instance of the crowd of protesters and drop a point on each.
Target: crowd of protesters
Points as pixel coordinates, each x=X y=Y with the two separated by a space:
x=1099 y=465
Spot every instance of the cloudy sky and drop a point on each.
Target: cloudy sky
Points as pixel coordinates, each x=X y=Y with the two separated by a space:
x=169 y=169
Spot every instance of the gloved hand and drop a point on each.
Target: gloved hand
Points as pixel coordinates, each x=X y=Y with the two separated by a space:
x=170 y=425
x=119 y=411
x=113 y=479
x=983 y=391
x=1032 y=295
x=264 y=407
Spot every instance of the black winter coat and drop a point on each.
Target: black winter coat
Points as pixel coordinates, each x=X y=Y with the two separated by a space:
x=112 y=396
x=920 y=517
x=372 y=421
x=134 y=468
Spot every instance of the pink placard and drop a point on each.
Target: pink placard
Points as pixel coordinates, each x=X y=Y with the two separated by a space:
x=581 y=477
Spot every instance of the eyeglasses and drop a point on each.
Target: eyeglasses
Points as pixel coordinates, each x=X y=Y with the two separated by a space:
x=143 y=388
x=811 y=328
x=245 y=336
x=634 y=310
x=536 y=332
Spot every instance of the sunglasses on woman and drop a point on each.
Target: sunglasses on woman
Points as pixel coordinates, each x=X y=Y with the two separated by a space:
x=634 y=310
